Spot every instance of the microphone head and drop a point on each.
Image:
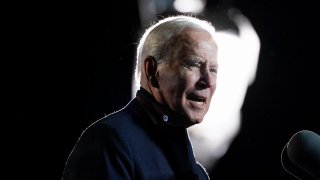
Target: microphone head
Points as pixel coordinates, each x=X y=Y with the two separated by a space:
x=301 y=155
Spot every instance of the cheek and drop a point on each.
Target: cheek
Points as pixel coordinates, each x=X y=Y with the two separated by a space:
x=213 y=89
x=169 y=82
x=190 y=79
x=177 y=83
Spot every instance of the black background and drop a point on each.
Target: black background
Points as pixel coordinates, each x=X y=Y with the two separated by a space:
x=68 y=64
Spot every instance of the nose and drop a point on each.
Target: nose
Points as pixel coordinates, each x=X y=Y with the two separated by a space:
x=207 y=78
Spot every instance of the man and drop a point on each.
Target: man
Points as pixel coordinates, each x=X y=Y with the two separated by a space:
x=147 y=139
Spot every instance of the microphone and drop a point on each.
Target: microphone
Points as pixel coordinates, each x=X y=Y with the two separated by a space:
x=301 y=155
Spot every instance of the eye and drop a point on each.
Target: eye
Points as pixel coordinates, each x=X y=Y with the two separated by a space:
x=195 y=64
x=191 y=63
x=213 y=69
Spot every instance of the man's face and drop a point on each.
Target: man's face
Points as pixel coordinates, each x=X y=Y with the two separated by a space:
x=188 y=82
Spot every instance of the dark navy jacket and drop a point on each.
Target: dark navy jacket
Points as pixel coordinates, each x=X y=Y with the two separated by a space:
x=140 y=141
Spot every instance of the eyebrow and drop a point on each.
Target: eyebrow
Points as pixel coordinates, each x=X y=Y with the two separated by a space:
x=193 y=59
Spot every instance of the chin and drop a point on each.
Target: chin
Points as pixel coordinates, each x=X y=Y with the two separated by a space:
x=196 y=120
x=194 y=116
x=198 y=117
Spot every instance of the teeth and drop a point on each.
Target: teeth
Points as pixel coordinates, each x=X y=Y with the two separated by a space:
x=197 y=100
x=199 y=103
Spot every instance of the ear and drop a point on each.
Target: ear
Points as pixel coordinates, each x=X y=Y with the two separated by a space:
x=150 y=66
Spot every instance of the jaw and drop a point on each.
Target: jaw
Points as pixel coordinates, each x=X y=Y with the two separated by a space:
x=195 y=111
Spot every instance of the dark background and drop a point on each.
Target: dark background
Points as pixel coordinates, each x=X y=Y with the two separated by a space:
x=71 y=63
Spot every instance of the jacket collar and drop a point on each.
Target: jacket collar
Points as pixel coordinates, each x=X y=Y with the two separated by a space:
x=160 y=114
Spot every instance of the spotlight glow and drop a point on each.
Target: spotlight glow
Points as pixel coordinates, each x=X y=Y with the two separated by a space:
x=238 y=59
x=192 y=6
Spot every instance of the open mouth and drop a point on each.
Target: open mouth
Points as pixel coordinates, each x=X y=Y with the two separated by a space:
x=199 y=100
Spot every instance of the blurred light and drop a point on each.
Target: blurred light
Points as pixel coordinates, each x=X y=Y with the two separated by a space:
x=191 y=6
x=238 y=59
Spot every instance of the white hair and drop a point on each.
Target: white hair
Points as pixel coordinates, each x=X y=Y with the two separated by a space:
x=157 y=39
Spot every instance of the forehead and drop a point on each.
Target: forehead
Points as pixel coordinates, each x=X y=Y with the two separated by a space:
x=196 y=43
x=199 y=38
